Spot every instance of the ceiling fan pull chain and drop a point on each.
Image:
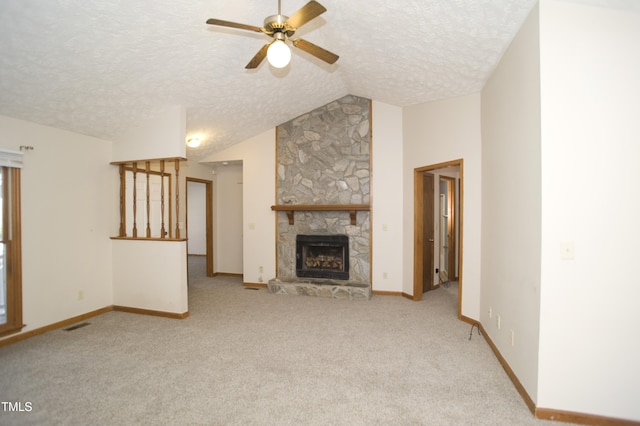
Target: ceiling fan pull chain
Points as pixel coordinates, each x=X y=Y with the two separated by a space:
x=279 y=13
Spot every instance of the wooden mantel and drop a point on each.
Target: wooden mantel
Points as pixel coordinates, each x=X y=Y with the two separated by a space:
x=351 y=208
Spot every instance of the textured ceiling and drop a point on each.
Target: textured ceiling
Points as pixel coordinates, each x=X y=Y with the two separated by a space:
x=96 y=67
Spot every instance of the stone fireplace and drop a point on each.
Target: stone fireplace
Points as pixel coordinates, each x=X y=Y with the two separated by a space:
x=323 y=189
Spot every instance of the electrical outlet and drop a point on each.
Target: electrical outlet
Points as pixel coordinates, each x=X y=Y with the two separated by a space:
x=567 y=250
x=512 y=338
x=260 y=269
x=80 y=294
x=498 y=321
x=384 y=276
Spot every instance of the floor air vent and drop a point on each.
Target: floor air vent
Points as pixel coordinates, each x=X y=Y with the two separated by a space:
x=77 y=326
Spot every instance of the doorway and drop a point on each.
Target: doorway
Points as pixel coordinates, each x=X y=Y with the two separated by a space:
x=428 y=229
x=447 y=241
x=199 y=222
x=448 y=250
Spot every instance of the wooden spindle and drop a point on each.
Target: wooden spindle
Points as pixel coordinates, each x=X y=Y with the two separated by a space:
x=177 y=166
x=135 y=196
x=148 y=167
x=123 y=230
x=162 y=229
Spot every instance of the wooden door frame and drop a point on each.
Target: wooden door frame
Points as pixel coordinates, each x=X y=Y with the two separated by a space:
x=208 y=219
x=418 y=227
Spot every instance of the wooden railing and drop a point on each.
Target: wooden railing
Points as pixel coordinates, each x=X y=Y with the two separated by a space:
x=146 y=199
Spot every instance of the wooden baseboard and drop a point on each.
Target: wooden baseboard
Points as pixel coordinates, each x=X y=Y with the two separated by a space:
x=151 y=312
x=227 y=274
x=60 y=324
x=261 y=285
x=505 y=365
x=468 y=320
x=549 y=413
x=408 y=296
x=581 y=418
x=387 y=293
x=69 y=321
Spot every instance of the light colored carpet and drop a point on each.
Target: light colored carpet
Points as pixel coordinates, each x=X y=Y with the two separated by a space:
x=250 y=357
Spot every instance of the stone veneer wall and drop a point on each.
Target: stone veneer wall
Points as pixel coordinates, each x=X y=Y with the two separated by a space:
x=324 y=157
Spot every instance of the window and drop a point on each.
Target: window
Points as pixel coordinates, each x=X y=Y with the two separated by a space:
x=10 y=247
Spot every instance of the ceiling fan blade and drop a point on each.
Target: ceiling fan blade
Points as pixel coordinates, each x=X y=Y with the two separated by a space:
x=234 y=25
x=257 y=60
x=305 y=14
x=315 y=50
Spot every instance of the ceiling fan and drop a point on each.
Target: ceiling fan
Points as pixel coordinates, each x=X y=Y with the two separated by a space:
x=282 y=28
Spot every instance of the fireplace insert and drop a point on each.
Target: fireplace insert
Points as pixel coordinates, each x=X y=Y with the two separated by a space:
x=322 y=256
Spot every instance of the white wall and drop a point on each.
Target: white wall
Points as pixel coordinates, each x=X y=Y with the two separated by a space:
x=69 y=211
x=511 y=173
x=154 y=272
x=386 y=198
x=196 y=218
x=228 y=219
x=590 y=94
x=434 y=133
x=160 y=136
x=258 y=184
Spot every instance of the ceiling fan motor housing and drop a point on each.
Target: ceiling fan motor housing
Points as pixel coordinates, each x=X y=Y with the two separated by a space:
x=277 y=24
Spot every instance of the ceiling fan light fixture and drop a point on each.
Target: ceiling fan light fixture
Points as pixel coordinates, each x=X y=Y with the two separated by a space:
x=279 y=54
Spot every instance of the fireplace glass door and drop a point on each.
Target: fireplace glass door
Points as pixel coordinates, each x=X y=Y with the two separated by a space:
x=322 y=256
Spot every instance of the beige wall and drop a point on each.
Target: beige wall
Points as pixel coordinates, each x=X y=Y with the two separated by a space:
x=69 y=211
x=590 y=98
x=511 y=193
x=162 y=135
x=196 y=197
x=258 y=195
x=150 y=275
x=434 y=133
x=228 y=219
x=136 y=283
x=386 y=199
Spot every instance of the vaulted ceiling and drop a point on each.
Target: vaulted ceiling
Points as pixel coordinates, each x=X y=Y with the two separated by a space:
x=97 y=67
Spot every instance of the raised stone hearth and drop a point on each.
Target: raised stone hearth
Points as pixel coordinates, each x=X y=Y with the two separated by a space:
x=336 y=289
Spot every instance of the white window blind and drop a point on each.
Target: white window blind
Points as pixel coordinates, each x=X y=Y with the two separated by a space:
x=10 y=158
